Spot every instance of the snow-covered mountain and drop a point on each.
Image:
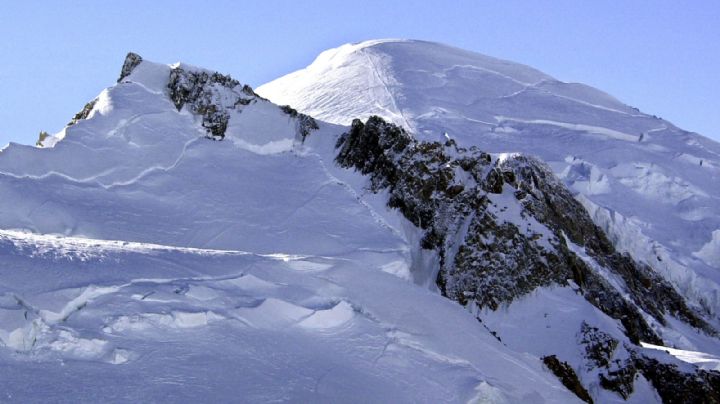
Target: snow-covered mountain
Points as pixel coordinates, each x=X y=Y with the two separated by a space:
x=184 y=238
x=654 y=188
x=144 y=261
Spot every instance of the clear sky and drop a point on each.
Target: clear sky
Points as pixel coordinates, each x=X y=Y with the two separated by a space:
x=662 y=56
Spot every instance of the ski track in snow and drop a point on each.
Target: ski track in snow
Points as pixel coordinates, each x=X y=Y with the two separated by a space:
x=154 y=169
x=94 y=179
x=379 y=77
x=378 y=218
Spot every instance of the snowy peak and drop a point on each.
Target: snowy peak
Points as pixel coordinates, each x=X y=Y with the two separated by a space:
x=155 y=120
x=219 y=104
x=652 y=187
x=264 y=265
x=382 y=76
x=181 y=206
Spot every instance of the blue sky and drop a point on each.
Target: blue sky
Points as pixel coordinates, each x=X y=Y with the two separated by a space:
x=661 y=56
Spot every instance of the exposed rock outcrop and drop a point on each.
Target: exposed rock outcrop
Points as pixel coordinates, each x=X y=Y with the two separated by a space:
x=213 y=95
x=504 y=226
x=206 y=95
x=567 y=376
x=41 y=138
x=132 y=60
x=305 y=123
x=84 y=113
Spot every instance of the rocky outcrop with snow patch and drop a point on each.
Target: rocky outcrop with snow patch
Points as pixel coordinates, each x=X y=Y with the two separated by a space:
x=212 y=95
x=654 y=187
x=504 y=226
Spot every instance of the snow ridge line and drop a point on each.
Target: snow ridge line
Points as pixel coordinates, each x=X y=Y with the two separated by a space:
x=40 y=241
x=527 y=86
x=93 y=180
x=155 y=168
x=484 y=69
x=589 y=104
x=595 y=130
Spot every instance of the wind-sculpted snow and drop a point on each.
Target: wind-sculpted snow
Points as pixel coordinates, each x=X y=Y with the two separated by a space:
x=652 y=187
x=144 y=158
x=154 y=323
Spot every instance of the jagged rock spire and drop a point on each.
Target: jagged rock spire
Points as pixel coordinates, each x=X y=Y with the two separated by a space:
x=131 y=61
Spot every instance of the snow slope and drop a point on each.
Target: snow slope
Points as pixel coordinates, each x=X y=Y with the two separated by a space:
x=143 y=261
x=119 y=321
x=654 y=188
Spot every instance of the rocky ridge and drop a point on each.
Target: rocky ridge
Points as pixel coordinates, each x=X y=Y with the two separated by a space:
x=210 y=96
x=651 y=186
x=503 y=226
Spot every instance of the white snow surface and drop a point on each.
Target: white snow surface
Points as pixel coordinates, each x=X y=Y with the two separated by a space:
x=705 y=361
x=654 y=188
x=142 y=262
x=151 y=323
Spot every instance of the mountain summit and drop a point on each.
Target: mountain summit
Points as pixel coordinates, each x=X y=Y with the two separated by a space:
x=654 y=188
x=185 y=238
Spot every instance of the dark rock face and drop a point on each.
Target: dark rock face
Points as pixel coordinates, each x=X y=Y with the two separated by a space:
x=41 y=138
x=567 y=376
x=132 y=60
x=599 y=346
x=457 y=195
x=620 y=379
x=546 y=198
x=505 y=227
x=600 y=349
x=674 y=382
x=84 y=113
x=305 y=123
x=201 y=92
x=213 y=95
x=677 y=386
